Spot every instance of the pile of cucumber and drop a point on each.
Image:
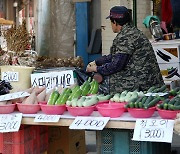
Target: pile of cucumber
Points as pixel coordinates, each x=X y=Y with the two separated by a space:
x=126 y=96
x=161 y=89
x=170 y=104
x=84 y=101
x=144 y=102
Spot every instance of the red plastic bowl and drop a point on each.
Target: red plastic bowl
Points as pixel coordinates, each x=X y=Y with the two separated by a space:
x=141 y=113
x=122 y=103
x=167 y=114
x=28 y=108
x=80 y=111
x=112 y=110
x=42 y=102
x=53 y=109
x=6 y=109
x=101 y=102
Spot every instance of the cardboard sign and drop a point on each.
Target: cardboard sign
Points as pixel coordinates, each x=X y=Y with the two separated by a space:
x=154 y=130
x=46 y=118
x=10 y=122
x=10 y=76
x=92 y=123
x=52 y=79
x=13 y=96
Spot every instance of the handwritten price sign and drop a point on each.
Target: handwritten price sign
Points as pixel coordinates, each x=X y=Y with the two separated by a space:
x=10 y=122
x=53 y=79
x=92 y=123
x=10 y=76
x=155 y=130
x=46 y=118
x=13 y=95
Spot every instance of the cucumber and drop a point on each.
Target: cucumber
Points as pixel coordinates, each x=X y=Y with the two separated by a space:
x=90 y=101
x=150 y=98
x=173 y=107
x=177 y=102
x=74 y=102
x=139 y=100
x=152 y=103
x=165 y=106
x=160 y=89
x=136 y=104
x=131 y=105
x=160 y=106
x=140 y=104
x=53 y=97
x=151 y=89
x=144 y=99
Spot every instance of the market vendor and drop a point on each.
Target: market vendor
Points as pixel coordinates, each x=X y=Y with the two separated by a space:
x=131 y=63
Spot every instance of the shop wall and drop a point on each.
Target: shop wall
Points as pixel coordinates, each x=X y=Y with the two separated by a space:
x=143 y=9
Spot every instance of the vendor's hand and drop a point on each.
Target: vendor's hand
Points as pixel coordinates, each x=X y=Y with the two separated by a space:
x=92 y=63
x=91 y=68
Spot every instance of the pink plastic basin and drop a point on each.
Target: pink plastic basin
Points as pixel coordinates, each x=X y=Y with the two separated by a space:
x=81 y=111
x=167 y=114
x=6 y=109
x=122 y=103
x=112 y=110
x=53 y=109
x=42 y=102
x=101 y=102
x=28 y=108
x=141 y=113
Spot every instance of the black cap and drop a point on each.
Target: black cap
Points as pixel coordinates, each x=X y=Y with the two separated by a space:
x=117 y=12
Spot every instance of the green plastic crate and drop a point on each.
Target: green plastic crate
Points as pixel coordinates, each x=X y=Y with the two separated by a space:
x=117 y=141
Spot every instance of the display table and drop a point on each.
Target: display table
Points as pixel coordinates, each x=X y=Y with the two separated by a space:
x=123 y=122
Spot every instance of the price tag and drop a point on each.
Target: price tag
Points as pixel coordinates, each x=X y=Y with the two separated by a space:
x=13 y=96
x=10 y=122
x=52 y=79
x=10 y=76
x=46 y=118
x=155 y=94
x=92 y=123
x=154 y=130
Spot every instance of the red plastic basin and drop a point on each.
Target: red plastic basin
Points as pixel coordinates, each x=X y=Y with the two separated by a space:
x=101 y=102
x=53 y=109
x=122 y=103
x=167 y=114
x=28 y=108
x=6 y=109
x=141 y=113
x=112 y=110
x=80 y=111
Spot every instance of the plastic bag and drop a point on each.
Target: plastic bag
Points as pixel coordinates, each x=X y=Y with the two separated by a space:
x=82 y=75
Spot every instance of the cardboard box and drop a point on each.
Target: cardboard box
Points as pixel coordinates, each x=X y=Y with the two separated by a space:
x=164 y=67
x=66 y=141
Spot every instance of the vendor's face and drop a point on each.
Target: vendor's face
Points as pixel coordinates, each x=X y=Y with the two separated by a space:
x=115 y=27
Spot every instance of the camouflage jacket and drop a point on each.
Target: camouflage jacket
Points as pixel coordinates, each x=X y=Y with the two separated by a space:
x=142 y=70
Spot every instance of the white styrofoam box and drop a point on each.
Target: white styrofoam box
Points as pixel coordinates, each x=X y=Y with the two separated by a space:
x=167 y=51
x=164 y=67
